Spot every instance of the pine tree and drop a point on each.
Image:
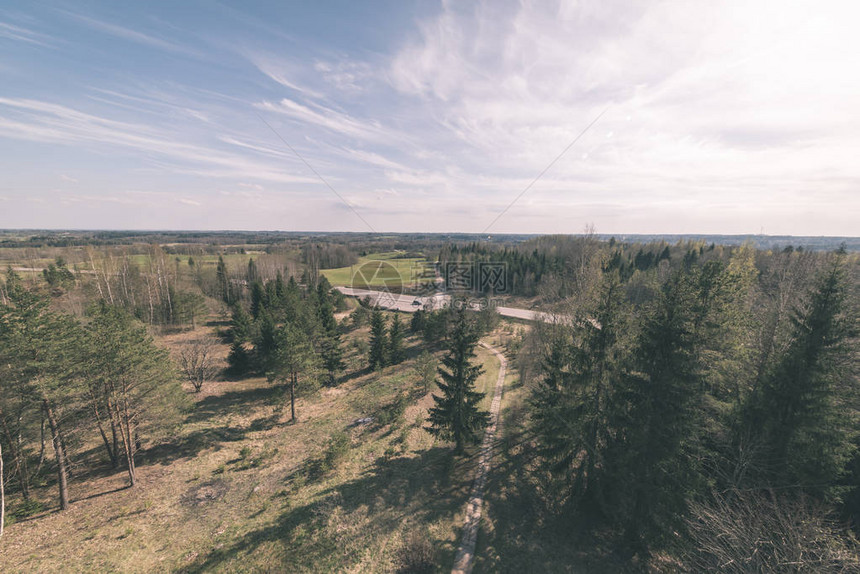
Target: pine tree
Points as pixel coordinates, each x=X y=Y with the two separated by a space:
x=395 y=334
x=379 y=351
x=222 y=278
x=252 y=274
x=425 y=367
x=265 y=342
x=651 y=462
x=139 y=388
x=259 y=299
x=331 y=351
x=801 y=414
x=293 y=357
x=457 y=415
x=570 y=405
x=238 y=360
x=419 y=319
x=40 y=364
x=240 y=325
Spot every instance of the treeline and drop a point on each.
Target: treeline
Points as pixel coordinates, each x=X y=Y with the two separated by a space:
x=327 y=256
x=673 y=408
x=159 y=288
x=66 y=381
x=553 y=266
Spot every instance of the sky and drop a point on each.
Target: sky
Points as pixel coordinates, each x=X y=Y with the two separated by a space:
x=400 y=116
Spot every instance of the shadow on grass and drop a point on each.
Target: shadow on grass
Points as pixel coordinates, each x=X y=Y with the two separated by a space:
x=392 y=493
x=265 y=423
x=346 y=377
x=189 y=445
x=232 y=401
x=100 y=494
x=212 y=408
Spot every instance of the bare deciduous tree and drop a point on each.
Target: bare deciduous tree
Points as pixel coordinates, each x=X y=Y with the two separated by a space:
x=198 y=362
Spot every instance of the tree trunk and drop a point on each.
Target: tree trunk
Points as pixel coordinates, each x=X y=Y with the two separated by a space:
x=113 y=423
x=42 y=446
x=114 y=460
x=125 y=435
x=20 y=470
x=293 y=397
x=137 y=442
x=56 y=439
x=112 y=454
x=2 y=493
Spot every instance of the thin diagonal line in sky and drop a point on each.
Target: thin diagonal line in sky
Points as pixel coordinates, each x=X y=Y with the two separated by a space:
x=316 y=173
x=546 y=169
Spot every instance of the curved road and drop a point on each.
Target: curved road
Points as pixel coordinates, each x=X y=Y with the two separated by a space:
x=407 y=303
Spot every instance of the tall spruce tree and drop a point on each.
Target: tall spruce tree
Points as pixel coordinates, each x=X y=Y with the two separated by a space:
x=396 y=335
x=651 y=463
x=240 y=325
x=378 y=353
x=222 y=280
x=802 y=413
x=569 y=407
x=457 y=415
x=330 y=348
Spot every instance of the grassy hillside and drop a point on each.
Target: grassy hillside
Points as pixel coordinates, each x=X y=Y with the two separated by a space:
x=238 y=489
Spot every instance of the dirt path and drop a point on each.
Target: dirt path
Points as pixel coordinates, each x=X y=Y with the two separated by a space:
x=464 y=559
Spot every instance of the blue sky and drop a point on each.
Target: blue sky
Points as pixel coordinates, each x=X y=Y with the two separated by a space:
x=723 y=117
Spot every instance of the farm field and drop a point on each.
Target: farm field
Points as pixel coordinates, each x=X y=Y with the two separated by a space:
x=377 y=270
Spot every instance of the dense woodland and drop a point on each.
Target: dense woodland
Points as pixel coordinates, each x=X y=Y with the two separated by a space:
x=704 y=402
x=696 y=405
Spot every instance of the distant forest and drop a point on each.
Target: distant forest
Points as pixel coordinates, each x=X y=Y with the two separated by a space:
x=382 y=242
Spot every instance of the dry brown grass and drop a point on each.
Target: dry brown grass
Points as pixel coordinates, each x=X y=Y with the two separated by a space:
x=239 y=489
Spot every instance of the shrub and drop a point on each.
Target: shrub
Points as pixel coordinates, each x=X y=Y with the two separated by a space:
x=393 y=412
x=23 y=510
x=417 y=555
x=337 y=449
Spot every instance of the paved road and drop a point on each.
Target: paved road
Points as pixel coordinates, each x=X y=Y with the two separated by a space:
x=411 y=303
x=464 y=559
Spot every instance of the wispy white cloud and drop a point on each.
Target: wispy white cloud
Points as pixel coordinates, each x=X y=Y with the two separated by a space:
x=328 y=118
x=280 y=72
x=346 y=75
x=131 y=35
x=151 y=102
x=21 y=34
x=48 y=122
x=373 y=158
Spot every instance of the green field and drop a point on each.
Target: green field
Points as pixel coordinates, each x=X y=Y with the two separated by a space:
x=378 y=270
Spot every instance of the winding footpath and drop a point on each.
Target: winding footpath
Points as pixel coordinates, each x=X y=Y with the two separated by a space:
x=464 y=559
